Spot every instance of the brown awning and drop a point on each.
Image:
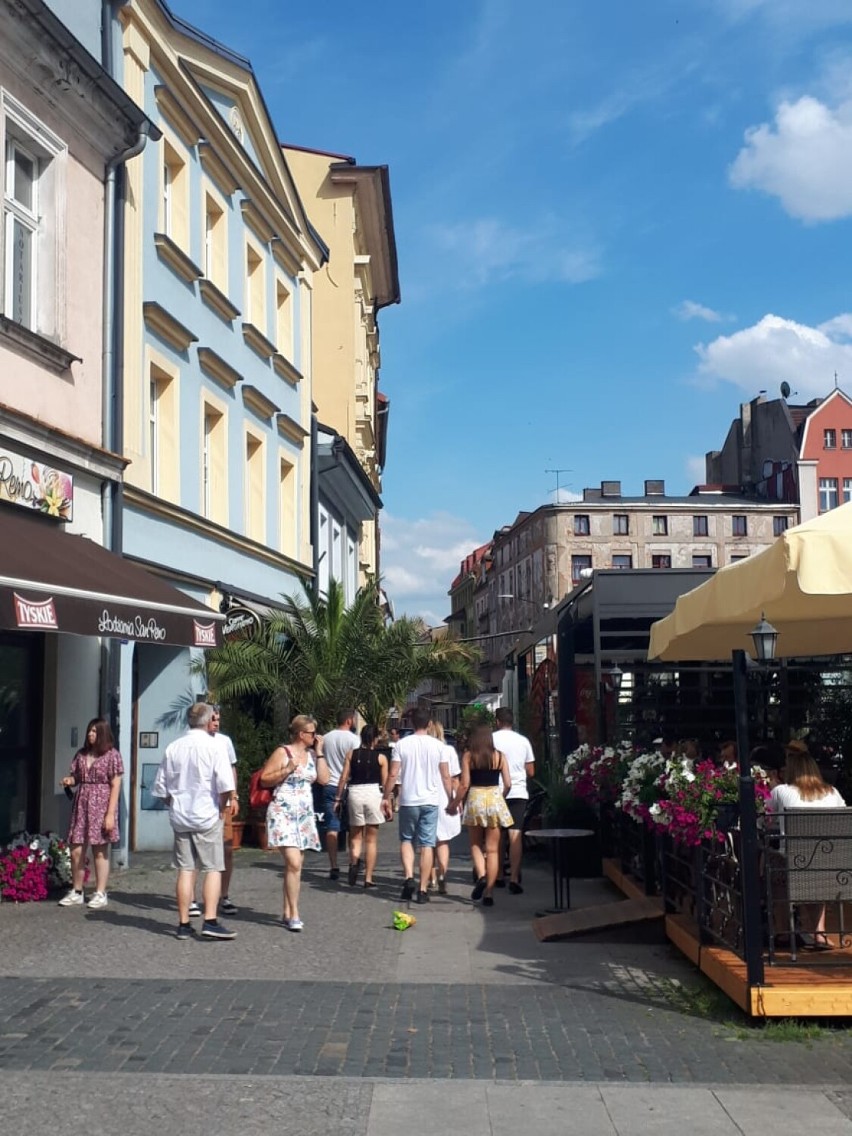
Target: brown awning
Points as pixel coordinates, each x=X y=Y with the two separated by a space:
x=53 y=581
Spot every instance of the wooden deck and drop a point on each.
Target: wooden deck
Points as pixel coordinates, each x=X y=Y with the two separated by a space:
x=788 y=991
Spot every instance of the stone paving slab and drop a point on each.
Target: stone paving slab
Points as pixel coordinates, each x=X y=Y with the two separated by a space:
x=318 y=1106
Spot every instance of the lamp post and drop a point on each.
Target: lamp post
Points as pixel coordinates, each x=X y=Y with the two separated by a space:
x=611 y=680
x=765 y=639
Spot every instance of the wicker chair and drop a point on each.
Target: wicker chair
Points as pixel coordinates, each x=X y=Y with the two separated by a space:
x=818 y=848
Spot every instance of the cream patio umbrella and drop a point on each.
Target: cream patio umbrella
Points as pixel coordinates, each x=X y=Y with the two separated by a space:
x=802 y=583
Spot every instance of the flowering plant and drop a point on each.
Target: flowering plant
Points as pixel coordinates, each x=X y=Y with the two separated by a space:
x=595 y=773
x=31 y=864
x=643 y=785
x=693 y=794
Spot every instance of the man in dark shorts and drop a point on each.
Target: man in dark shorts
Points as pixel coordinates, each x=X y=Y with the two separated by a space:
x=519 y=754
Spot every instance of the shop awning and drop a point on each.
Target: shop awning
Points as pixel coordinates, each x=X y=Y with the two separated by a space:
x=53 y=581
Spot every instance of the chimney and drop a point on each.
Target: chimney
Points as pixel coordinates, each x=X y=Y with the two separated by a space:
x=591 y=494
x=655 y=488
x=610 y=489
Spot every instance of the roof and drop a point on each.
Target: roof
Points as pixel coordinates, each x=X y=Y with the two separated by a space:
x=470 y=562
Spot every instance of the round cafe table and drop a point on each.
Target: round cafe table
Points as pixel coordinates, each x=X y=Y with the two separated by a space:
x=559 y=857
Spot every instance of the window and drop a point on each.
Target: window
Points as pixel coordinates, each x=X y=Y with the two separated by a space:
x=579 y=565
x=829 y=439
x=660 y=526
x=581 y=524
x=699 y=526
x=163 y=450
x=255 y=504
x=622 y=560
x=255 y=289
x=621 y=524
x=32 y=176
x=847 y=490
x=351 y=569
x=154 y=435
x=780 y=525
x=214 y=467
x=736 y=556
x=173 y=207
x=336 y=551
x=702 y=561
x=323 y=552
x=827 y=494
x=283 y=320
x=846 y=439
x=287 y=506
x=661 y=560
x=739 y=526
x=215 y=243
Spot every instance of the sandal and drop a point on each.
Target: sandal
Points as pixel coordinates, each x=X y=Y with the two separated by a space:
x=820 y=942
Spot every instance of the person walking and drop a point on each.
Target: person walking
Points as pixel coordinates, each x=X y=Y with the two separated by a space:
x=291 y=770
x=365 y=771
x=96 y=771
x=197 y=780
x=421 y=766
x=231 y=809
x=485 y=810
x=336 y=746
x=449 y=824
x=521 y=759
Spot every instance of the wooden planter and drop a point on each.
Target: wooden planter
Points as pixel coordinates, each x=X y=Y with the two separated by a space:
x=239 y=829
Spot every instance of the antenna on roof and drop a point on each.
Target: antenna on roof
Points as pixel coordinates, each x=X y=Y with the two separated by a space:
x=557 y=472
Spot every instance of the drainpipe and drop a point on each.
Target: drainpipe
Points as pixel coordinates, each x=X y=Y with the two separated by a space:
x=315 y=499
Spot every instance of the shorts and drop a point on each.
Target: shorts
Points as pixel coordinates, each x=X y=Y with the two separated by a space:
x=517 y=807
x=200 y=851
x=365 y=805
x=418 y=824
x=330 y=819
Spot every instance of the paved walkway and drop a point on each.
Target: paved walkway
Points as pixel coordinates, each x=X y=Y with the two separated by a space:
x=465 y=1020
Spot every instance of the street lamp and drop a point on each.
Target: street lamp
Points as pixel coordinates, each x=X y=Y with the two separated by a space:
x=765 y=639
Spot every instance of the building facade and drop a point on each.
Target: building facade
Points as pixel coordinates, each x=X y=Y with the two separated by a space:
x=545 y=554
x=64 y=125
x=780 y=451
x=351 y=206
x=216 y=399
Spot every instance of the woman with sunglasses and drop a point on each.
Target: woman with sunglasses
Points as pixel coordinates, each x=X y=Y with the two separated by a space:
x=291 y=825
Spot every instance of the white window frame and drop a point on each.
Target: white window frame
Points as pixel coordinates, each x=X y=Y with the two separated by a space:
x=154 y=432
x=21 y=130
x=828 y=489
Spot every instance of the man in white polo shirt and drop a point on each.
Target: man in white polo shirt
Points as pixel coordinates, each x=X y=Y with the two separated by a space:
x=336 y=747
x=521 y=759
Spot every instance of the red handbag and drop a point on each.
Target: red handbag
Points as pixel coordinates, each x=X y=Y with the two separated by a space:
x=259 y=796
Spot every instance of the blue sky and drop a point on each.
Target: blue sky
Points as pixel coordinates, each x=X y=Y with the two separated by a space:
x=615 y=221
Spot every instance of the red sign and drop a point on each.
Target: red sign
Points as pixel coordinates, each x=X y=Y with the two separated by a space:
x=205 y=634
x=40 y=615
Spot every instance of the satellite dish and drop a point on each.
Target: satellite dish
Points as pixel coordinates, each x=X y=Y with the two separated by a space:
x=785 y=390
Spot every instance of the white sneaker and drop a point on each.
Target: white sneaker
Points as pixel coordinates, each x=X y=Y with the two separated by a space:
x=98 y=900
x=194 y=910
x=72 y=899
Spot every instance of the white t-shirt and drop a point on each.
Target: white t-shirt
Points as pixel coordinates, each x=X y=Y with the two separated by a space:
x=227 y=745
x=420 y=758
x=519 y=754
x=193 y=773
x=788 y=797
x=336 y=746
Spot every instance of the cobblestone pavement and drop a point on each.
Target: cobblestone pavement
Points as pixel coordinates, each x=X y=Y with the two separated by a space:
x=466 y=994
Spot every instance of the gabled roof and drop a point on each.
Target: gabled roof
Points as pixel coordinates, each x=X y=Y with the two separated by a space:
x=470 y=562
x=837 y=393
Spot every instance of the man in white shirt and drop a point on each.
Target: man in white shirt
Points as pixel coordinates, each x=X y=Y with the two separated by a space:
x=336 y=747
x=421 y=765
x=521 y=759
x=231 y=809
x=196 y=779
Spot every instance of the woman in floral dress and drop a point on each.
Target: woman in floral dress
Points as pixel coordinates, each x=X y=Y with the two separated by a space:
x=290 y=821
x=97 y=771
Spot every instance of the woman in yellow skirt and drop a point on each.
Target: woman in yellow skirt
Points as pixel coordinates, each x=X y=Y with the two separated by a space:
x=486 y=813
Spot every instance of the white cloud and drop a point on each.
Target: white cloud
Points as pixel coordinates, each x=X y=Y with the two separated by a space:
x=775 y=349
x=565 y=496
x=689 y=310
x=804 y=159
x=488 y=250
x=420 y=559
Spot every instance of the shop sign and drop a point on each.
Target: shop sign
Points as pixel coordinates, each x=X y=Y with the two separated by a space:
x=240 y=623
x=36 y=615
x=205 y=634
x=136 y=627
x=35 y=486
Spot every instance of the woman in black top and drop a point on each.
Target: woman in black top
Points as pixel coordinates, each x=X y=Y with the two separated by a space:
x=486 y=813
x=365 y=771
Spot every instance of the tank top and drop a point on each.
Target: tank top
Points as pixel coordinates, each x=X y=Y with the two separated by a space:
x=481 y=778
x=364 y=767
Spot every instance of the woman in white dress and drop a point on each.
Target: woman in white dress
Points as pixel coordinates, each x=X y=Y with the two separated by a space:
x=449 y=825
x=291 y=825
